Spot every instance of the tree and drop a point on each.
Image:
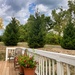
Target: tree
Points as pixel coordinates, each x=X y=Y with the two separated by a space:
x=49 y=23
x=1 y=23
x=51 y=38
x=11 y=35
x=59 y=21
x=71 y=10
x=37 y=31
x=68 y=40
x=23 y=32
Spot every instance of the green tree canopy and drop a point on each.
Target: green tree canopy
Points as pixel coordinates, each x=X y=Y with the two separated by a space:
x=37 y=31
x=11 y=35
x=68 y=40
x=23 y=32
x=59 y=19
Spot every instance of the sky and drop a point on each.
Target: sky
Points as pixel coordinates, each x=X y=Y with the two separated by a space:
x=21 y=9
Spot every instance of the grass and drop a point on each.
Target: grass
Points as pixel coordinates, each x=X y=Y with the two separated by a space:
x=52 y=48
x=1 y=44
x=2 y=55
x=58 y=49
x=23 y=44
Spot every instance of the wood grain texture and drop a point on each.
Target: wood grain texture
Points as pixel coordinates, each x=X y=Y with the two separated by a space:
x=7 y=68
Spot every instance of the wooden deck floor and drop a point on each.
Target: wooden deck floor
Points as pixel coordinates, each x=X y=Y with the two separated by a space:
x=7 y=68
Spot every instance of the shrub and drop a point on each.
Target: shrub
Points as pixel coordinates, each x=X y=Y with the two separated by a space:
x=68 y=40
x=52 y=38
x=23 y=33
x=0 y=38
x=2 y=55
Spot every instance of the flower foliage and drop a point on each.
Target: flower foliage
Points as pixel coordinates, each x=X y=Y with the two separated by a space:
x=27 y=61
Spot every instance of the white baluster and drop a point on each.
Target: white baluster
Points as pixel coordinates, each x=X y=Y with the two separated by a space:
x=46 y=66
x=53 y=71
x=62 y=68
x=6 y=54
x=39 y=66
x=43 y=66
x=59 y=70
x=49 y=66
x=68 y=70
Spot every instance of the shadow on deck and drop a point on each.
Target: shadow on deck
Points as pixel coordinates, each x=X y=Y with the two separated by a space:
x=7 y=68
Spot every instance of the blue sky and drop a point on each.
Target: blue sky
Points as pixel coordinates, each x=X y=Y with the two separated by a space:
x=21 y=9
x=32 y=8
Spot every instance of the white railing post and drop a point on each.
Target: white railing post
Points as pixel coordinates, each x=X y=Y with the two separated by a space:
x=49 y=66
x=39 y=66
x=68 y=70
x=59 y=70
x=46 y=66
x=62 y=69
x=53 y=71
x=6 y=54
x=43 y=66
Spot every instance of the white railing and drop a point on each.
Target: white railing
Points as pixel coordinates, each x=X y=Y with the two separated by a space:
x=11 y=50
x=51 y=63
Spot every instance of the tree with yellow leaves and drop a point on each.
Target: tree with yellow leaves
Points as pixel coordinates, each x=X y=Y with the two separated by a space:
x=1 y=23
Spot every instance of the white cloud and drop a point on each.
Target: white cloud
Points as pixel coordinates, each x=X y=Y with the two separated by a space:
x=49 y=12
x=20 y=9
x=25 y=20
x=65 y=4
x=8 y=18
x=3 y=10
x=22 y=15
x=42 y=8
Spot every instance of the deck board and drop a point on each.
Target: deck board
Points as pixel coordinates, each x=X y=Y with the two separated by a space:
x=7 y=68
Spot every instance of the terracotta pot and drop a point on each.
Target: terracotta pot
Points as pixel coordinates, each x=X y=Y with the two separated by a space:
x=29 y=71
x=21 y=70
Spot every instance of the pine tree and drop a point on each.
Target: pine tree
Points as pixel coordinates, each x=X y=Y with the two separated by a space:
x=11 y=36
x=37 y=31
x=68 y=40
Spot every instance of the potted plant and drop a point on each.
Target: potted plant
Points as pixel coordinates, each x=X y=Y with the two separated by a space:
x=28 y=63
x=20 y=61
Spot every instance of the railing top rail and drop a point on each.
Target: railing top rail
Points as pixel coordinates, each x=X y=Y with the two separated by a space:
x=14 y=47
x=65 y=58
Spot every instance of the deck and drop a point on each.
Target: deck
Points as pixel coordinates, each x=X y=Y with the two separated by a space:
x=49 y=63
x=7 y=68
